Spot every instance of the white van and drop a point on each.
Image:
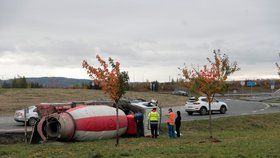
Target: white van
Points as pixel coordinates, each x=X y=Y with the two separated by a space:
x=31 y=115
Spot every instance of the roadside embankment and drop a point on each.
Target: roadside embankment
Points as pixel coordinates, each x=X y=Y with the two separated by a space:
x=239 y=136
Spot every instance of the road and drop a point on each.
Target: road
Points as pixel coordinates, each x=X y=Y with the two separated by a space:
x=236 y=108
x=7 y=124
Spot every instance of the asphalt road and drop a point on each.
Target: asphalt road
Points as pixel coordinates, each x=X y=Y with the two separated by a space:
x=7 y=125
x=236 y=108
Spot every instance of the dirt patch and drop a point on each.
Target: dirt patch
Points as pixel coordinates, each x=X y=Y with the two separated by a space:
x=214 y=140
x=210 y=140
x=13 y=138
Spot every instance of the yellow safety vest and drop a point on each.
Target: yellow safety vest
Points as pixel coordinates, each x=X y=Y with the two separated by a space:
x=153 y=116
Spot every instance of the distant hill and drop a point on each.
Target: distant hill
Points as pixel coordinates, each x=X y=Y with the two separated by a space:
x=60 y=82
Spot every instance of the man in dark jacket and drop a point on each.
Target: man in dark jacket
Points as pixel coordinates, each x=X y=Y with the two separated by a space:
x=139 y=123
x=178 y=123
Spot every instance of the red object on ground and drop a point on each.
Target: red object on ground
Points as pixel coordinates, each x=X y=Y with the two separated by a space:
x=45 y=109
x=100 y=123
x=82 y=123
x=131 y=125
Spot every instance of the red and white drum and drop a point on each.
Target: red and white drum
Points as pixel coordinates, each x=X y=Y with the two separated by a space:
x=97 y=122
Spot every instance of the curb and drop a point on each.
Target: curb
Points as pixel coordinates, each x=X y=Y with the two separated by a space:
x=274 y=104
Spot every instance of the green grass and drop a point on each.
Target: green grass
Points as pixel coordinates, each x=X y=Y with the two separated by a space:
x=242 y=136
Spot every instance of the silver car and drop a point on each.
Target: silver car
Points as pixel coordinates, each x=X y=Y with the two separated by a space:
x=31 y=115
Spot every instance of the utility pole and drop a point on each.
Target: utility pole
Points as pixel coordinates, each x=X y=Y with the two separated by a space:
x=25 y=126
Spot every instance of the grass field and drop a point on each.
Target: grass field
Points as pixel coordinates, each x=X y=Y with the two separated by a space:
x=13 y=99
x=242 y=136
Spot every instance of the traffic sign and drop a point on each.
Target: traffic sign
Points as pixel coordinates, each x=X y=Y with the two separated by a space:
x=251 y=83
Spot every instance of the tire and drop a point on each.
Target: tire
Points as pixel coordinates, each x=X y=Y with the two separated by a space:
x=190 y=112
x=32 y=121
x=203 y=111
x=223 y=109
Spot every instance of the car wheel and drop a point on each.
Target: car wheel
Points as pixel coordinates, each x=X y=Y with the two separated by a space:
x=189 y=112
x=203 y=111
x=32 y=121
x=223 y=109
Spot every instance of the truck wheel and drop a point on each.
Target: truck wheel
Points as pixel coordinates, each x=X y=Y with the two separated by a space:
x=32 y=121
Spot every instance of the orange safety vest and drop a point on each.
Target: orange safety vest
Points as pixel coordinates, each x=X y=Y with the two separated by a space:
x=171 y=118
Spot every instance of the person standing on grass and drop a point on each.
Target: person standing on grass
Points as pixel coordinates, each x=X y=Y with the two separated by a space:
x=170 y=123
x=178 y=123
x=153 y=118
x=139 y=123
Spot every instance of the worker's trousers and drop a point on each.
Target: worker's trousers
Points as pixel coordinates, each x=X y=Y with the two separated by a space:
x=154 y=129
x=171 y=131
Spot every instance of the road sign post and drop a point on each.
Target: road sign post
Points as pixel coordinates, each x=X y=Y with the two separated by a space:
x=251 y=84
x=242 y=83
x=251 y=91
x=272 y=86
x=25 y=125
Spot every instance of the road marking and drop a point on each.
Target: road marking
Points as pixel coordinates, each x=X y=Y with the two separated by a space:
x=266 y=105
x=254 y=111
x=261 y=109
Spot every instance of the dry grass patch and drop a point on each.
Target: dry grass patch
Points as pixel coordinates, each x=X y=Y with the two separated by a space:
x=13 y=99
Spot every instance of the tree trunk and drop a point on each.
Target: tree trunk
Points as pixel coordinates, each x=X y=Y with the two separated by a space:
x=160 y=110
x=118 y=125
x=210 y=119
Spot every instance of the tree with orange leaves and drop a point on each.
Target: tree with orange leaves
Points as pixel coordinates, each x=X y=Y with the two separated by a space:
x=278 y=66
x=111 y=80
x=209 y=80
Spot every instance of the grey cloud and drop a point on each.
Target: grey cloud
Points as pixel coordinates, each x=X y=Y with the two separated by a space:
x=141 y=34
x=49 y=52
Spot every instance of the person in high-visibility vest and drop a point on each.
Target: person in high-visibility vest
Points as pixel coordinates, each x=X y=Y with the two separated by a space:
x=170 y=123
x=154 y=117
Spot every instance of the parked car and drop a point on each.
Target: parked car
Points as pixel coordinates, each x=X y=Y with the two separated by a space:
x=31 y=115
x=179 y=92
x=200 y=105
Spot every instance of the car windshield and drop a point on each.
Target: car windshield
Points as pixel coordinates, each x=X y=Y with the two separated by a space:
x=192 y=100
x=31 y=107
x=204 y=99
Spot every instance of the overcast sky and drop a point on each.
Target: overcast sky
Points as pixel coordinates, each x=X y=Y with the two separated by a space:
x=150 y=38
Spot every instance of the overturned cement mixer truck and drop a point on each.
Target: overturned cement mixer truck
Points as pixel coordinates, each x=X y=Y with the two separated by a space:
x=83 y=122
